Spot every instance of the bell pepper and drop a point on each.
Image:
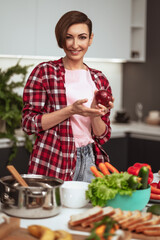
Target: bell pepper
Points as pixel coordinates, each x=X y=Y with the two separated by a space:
x=142 y=164
x=134 y=170
x=150 y=179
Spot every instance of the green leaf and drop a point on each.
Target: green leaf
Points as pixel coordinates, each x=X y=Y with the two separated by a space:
x=100 y=190
x=11 y=103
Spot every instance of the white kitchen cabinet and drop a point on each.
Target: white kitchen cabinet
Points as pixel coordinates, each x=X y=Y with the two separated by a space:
x=138 y=30
x=111 y=26
x=27 y=27
x=18 y=27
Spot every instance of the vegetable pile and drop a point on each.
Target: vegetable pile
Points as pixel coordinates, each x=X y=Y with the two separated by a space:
x=109 y=182
x=100 y=190
x=136 y=168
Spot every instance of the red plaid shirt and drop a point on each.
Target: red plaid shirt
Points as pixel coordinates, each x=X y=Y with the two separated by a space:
x=54 y=151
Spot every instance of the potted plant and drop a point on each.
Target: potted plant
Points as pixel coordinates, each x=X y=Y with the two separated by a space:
x=11 y=104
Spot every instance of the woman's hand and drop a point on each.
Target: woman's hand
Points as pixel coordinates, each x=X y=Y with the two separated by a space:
x=78 y=107
x=98 y=125
x=103 y=109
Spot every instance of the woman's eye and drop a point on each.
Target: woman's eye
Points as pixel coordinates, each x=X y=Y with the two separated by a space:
x=83 y=37
x=68 y=37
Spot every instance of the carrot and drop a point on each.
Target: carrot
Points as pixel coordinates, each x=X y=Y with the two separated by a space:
x=155 y=196
x=103 y=169
x=155 y=190
x=111 y=168
x=116 y=226
x=95 y=172
x=112 y=231
x=100 y=230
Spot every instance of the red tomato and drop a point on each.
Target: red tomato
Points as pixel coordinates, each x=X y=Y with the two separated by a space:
x=158 y=185
x=154 y=184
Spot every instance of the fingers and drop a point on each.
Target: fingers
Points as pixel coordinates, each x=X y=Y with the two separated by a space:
x=81 y=101
x=111 y=105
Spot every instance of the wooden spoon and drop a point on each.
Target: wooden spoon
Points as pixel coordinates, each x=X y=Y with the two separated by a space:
x=17 y=176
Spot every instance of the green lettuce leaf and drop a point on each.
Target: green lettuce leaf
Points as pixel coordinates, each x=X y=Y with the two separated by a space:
x=100 y=190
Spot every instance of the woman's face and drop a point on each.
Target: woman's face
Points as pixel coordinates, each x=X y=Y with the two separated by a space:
x=77 y=41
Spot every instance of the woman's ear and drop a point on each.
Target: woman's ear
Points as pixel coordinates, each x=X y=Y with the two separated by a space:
x=91 y=39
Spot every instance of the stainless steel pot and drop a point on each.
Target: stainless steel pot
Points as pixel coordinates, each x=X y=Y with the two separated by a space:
x=41 y=199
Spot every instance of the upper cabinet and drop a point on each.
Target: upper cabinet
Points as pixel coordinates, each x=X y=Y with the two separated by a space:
x=138 y=30
x=18 y=27
x=27 y=27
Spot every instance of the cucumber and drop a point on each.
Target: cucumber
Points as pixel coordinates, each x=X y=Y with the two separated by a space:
x=144 y=174
x=154 y=209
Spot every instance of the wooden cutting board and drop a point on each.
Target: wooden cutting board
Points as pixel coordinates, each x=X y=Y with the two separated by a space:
x=12 y=231
x=7 y=228
x=22 y=234
x=129 y=235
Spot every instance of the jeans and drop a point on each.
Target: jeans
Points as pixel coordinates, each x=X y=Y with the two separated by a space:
x=85 y=159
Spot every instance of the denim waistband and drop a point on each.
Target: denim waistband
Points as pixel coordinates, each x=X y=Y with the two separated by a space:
x=86 y=149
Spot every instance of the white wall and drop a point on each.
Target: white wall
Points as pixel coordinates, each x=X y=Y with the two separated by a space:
x=113 y=71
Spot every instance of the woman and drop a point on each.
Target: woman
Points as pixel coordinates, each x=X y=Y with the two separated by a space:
x=60 y=107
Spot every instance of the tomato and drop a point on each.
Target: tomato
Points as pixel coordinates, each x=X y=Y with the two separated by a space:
x=154 y=184
x=158 y=185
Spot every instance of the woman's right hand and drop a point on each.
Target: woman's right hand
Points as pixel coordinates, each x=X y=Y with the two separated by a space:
x=78 y=107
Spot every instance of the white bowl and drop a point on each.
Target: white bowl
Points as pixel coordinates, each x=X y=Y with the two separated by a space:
x=73 y=194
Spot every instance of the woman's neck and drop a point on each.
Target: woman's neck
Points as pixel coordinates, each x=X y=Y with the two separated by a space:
x=73 y=65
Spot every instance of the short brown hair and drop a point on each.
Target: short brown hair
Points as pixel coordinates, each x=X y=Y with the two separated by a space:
x=68 y=19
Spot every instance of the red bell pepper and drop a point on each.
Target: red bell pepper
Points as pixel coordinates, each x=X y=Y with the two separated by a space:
x=142 y=164
x=134 y=170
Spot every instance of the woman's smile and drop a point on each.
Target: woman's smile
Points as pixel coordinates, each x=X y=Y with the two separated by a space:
x=75 y=52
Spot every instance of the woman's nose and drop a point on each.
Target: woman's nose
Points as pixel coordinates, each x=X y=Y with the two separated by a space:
x=75 y=43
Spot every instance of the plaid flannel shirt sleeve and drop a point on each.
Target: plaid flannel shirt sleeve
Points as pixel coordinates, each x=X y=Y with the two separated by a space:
x=103 y=83
x=34 y=97
x=107 y=134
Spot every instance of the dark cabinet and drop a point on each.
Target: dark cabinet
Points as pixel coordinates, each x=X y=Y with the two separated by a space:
x=144 y=150
x=117 y=149
x=124 y=152
x=20 y=162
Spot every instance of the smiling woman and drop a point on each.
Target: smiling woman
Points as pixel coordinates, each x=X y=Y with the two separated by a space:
x=61 y=109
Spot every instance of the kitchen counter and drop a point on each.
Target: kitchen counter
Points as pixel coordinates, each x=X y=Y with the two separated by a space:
x=61 y=221
x=135 y=129
x=58 y=222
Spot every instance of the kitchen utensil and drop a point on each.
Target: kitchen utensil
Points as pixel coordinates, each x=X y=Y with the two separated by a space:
x=122 y=117
x=139 y=111
x=17 y=176
x=40 y=200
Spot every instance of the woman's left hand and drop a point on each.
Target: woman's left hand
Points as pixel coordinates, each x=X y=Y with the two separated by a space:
x=103 y=108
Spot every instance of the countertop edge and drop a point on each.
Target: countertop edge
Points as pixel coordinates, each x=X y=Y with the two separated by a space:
x=118 y=130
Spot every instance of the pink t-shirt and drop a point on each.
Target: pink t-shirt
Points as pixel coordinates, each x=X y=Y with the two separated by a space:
x=79 y=85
